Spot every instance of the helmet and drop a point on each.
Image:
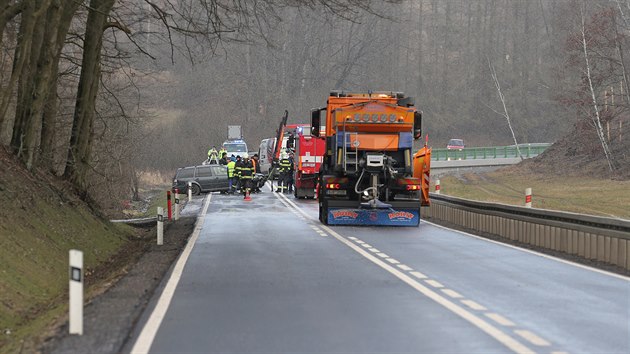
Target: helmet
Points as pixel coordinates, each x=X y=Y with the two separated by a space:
x=245 y=155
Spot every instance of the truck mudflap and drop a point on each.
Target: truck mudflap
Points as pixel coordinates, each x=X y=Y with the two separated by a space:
x=379 y=217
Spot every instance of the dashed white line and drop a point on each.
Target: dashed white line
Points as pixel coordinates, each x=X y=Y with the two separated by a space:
x=352 y=238
x=473 y=305
x=404 y=267
x=500 y=319
x=366 y=245
x=499 y=335
x=532 y=338
x=418 y=275
x=382 y=255
x=434 y=283
x=359 y=242
x=392 y=261
x=374 y=250
x=452 y=293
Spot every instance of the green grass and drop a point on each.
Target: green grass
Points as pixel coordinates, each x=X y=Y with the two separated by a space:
x=36 y=234
x=575 y=194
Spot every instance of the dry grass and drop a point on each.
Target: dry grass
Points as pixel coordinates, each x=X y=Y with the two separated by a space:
x=567 y=193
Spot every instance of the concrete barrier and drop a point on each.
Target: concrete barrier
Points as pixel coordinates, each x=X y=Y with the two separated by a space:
x=590 y=237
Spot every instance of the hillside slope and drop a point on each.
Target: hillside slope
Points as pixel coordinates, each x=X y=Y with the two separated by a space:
x=40 y=221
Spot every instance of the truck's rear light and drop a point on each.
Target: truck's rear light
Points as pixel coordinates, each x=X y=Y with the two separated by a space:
x=333 y=185
x=413 y=187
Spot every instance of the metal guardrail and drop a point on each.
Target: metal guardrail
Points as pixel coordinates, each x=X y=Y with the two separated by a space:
x=591 y=237
x=493 y=152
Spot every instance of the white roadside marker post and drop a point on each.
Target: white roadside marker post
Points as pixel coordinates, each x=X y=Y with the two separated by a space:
x=76 y=292
x=176 y=204
x=437 y=186
x=189 y=191
x=160 y=226
x=528 y=197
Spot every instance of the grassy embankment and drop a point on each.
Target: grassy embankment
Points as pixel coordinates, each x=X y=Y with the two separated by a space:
x=37 y=229
x=601 y=197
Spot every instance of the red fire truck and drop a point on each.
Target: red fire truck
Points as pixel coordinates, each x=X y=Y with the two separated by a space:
x=309 y=152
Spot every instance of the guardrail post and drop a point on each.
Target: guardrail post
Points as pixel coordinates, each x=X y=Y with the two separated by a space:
x=189 y=191
x=160 y=226
x=528 y=197
x=76 y=292
x=437 y=186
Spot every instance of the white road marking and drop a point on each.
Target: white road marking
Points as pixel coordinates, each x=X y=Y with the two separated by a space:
x=374 y=250
x=392 y=261
x=473 y=305
x=500 y=319
x=619 y=276
x=477 y=321
x=382 y=255
x=366 y=245
x=434 y=283
x=404 y=267
x=532 y=338
x=359 y=242
x=418 y=275
x=452 y=293
x=559 y=353
x=352 y=238
x=147 y=335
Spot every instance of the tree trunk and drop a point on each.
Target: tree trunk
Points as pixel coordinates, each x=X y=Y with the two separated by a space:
x=78 y=161
x=33 y=27
x=49 y=114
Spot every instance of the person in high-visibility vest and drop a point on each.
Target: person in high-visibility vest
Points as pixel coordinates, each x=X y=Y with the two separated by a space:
x=246 y=175
x=284 y=168
x=222 y=151
x=230 y=168
x=213 y=155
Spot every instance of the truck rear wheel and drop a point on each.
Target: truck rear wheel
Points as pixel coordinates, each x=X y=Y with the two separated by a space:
x=323 y=214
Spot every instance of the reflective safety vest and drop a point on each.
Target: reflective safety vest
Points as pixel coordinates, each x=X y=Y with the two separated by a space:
x=222 y=151
x=230 y=168
x=213 y=153
x=285 y=165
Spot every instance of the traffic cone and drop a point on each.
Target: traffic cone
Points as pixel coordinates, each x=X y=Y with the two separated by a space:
x=247 y=197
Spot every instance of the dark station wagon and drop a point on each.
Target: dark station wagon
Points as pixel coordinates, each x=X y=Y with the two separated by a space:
x=204 y=178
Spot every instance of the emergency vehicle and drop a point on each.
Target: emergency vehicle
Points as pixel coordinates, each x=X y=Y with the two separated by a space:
x=308 y=157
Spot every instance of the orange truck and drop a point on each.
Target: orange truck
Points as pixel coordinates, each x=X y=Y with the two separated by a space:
x=370 y=174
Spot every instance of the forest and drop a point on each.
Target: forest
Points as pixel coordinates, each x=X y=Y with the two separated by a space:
x=101 y=91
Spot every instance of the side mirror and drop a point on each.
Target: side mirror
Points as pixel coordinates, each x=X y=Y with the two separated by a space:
x=417 y=125
x=315 y=122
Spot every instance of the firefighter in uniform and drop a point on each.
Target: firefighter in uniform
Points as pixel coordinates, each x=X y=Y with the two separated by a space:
x=237 y=171
x=230 y=169
x=284 y=167
x=246 y=175
x=213 y=155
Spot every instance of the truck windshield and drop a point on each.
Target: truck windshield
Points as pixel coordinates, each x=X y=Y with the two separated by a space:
x=235 y=147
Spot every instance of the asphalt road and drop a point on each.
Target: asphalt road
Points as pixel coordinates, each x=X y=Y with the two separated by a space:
x=266 y=277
